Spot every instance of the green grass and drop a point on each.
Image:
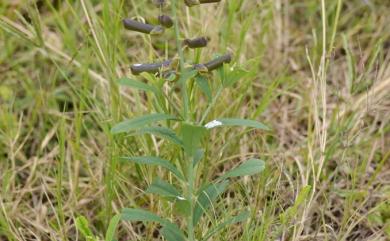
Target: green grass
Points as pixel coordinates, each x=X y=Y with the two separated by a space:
x=319 y=76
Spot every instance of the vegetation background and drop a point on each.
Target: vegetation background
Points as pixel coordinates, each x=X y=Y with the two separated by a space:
x=320 y=77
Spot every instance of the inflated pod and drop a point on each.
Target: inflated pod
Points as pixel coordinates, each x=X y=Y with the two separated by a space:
x=191 y=3
x=153 y=68
x=165 y=21
x=199 y=42
x=159 y=3
x=218 y=62
x=142 y=27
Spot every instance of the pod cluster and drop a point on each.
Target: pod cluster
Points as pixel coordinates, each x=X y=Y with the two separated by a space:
x=168 y=67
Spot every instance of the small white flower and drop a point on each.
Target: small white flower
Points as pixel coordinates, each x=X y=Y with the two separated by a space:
x=213 y=124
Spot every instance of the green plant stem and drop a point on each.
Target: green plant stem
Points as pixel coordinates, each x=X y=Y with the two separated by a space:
x=205 y=114
x=181 y=57
x=191 y=179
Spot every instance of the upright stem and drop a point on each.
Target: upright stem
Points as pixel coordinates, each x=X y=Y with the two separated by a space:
x=190 y=167
x=191 y=178
x=204 y=116
x=181 y=57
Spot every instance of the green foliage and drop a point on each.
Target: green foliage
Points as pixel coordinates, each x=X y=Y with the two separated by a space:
x=189 y=201
x=83 y=226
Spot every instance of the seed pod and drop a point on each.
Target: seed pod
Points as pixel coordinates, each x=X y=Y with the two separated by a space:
x=209 y=1
x=165 y=21
x=159 y=3
x=196 y=42
x=191 y=3
x=218 y=62
x=143 y=27
x=201 y=68
x=153 y=68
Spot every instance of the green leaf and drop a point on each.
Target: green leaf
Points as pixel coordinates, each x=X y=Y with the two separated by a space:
x=182 y=207
x=139 y=122
x=110 y=234
x=237 y=219
x=236 y=122
x=83 y=226
x=234 y=75
x=152 y=160
x=206 y=197
x=137 y=85
x=134 y=214
x=199 y=154
x=163 y=188
x=162 y=132
x=249 y=167
x=172 y=233
x=192 y=136
x=204 y=86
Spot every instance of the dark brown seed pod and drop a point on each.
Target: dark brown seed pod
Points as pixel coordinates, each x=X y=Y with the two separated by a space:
x=209 y=1
x=159 y=3
x=196 y=42
x=201 y=68
x=153 y=68
x=218 y=62
x=191 y=3
x=143 y=27
x=165 y=21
